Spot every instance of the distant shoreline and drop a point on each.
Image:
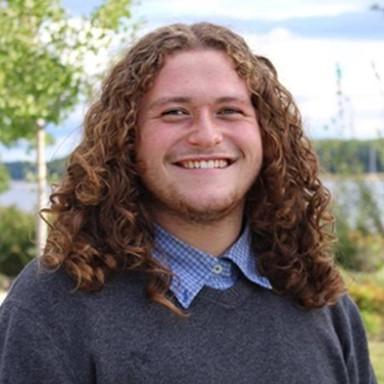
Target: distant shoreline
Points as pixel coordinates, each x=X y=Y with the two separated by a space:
x=354 y=177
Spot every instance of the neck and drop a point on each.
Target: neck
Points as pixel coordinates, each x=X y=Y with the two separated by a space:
x=213 y=238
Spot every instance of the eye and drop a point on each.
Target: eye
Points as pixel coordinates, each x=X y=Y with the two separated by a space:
x=230 y=111
x=174 y=112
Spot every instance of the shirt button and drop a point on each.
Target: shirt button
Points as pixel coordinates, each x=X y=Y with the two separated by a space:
x=217 y=268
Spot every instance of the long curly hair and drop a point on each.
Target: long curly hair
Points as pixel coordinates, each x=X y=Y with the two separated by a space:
x=99 y=223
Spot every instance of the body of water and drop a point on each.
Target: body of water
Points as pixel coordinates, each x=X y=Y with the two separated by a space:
x=22 y=194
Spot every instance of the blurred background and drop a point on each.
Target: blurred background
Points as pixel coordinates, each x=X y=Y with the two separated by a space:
x=329 y=54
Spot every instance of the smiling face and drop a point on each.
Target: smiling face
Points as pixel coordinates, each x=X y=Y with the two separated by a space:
x=200 y=148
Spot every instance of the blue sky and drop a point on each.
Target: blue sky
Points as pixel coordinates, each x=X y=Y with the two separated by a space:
x=306 y=40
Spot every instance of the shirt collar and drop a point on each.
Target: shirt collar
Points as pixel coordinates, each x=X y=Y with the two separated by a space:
x=242 y=254
x=192 y=268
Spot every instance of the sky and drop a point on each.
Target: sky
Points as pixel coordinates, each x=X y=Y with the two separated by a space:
x=318 y=48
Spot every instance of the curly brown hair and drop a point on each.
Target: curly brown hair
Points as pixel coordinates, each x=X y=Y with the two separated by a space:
x=100 y=224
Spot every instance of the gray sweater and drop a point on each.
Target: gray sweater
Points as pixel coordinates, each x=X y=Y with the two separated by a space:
x=245 y=334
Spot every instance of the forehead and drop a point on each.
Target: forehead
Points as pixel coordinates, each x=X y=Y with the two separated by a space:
x=198 y=74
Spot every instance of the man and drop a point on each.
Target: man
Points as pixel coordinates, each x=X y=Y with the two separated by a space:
x=193 y=226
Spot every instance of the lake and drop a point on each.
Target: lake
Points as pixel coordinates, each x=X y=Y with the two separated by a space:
x=22 y=194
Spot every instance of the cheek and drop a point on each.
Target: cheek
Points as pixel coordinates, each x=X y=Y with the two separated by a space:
x=160 y=142
x=249 y=141
x=153 y=148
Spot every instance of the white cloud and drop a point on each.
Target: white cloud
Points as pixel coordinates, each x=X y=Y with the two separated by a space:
x=248 y=9
x=307 y=67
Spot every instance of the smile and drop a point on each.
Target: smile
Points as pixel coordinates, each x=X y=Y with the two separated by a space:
x=204 y=164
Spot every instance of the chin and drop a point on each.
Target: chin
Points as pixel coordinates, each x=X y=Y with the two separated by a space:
x=208 y=212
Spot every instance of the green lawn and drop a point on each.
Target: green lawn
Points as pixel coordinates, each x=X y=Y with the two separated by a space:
x=377 y=356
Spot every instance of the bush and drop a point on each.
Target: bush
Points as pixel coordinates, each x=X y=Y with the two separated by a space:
x=368 y=296
x=358 y=251
x=17 y=229
x=367 y=290
x=373 y=324
x=359 y=225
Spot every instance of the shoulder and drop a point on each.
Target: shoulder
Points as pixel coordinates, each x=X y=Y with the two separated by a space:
x=51 y=295
x=54 y=331
x=45 y=305
x=345 y=314
x=353 y=340
x=36 y=286
x=343 y=318
x=349 y=328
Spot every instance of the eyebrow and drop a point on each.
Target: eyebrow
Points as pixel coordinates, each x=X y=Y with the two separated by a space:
x=166 y=100
x=184 y=100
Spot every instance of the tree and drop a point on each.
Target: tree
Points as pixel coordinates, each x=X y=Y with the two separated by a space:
x=42 y=73
x=4 y=178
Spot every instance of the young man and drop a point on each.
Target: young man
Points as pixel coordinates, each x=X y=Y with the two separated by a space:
x=193 y=226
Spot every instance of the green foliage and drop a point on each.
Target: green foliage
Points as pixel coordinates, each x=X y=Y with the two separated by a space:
x=346 y=251
x=108 y=15
x=376 y=349
x=367 y=290
x=369 y=219
x=16 y=247
x=42 y=51
x=357 y=250
x=21 y=170
x=373 y=323
x=56 y=169
x=368 y=296
x=34 y=82
x=350 y=156
x=4 y=178
x=359 y=224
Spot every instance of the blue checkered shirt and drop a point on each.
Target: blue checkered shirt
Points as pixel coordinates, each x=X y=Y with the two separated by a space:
x=193 y=269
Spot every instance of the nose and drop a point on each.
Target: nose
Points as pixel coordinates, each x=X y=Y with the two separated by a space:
x=205 y=131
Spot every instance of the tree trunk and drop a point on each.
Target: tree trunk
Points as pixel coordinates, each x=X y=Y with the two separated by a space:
x=41 y=227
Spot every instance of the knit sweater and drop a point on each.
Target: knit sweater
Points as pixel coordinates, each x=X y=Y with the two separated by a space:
x=245 y=334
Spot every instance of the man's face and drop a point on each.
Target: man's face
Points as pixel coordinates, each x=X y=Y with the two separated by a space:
x=200 y=147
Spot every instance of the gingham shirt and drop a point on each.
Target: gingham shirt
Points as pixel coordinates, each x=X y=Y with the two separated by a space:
x=193 y=269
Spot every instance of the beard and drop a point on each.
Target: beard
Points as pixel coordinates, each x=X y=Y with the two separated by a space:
x=175 y=204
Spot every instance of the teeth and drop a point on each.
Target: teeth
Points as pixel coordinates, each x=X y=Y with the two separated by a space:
x=204 y=164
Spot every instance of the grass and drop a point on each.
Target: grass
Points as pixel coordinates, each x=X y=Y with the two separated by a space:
x=376 y=349
x=376 y=346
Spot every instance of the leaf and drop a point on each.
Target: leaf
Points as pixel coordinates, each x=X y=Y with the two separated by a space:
x=42 y=53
